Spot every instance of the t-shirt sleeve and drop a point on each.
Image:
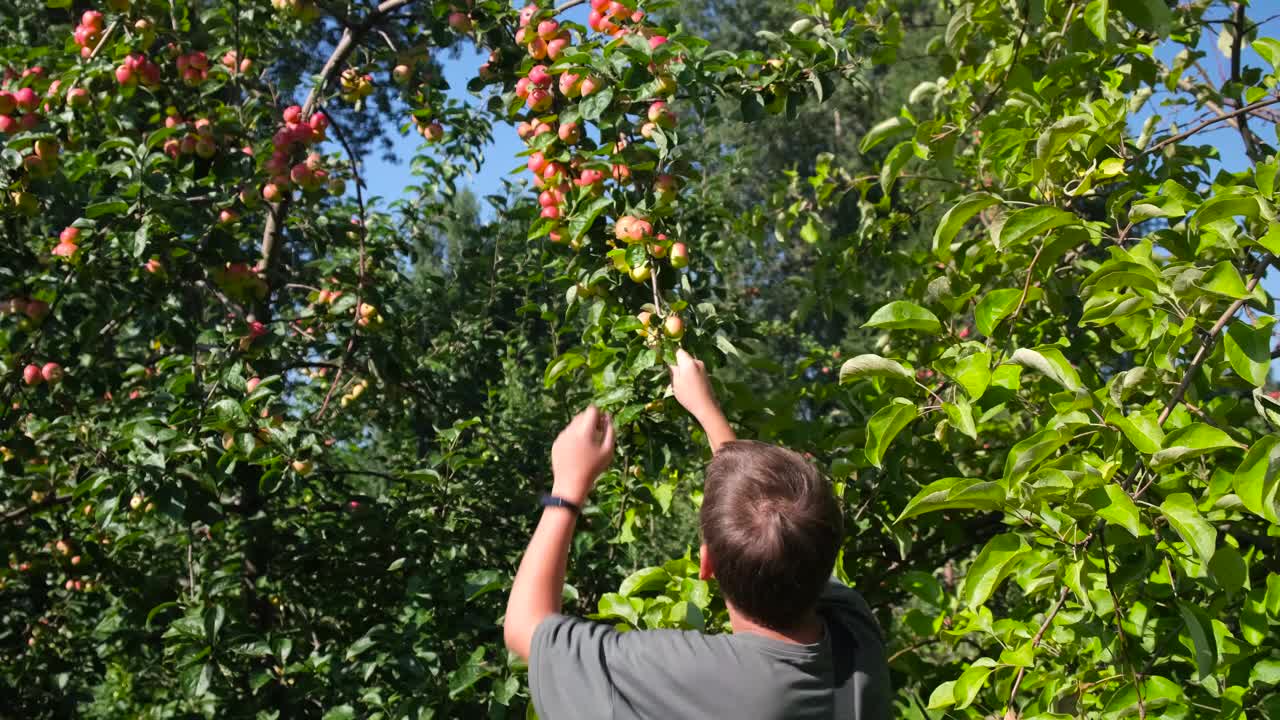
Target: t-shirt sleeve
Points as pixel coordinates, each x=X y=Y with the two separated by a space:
x=587 y=670
x=569 y=669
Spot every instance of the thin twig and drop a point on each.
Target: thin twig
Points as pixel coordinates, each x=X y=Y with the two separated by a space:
x=1211 y=339
x=1035 y=642
x=1211 y=121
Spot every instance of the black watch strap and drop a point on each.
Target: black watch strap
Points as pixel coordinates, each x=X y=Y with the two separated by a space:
x=549 y=500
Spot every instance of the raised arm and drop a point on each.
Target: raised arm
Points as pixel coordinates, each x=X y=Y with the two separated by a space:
x=581 y=452
x=692 y=388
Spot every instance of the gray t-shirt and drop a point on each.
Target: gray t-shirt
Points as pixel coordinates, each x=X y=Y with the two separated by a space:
x=588 y=670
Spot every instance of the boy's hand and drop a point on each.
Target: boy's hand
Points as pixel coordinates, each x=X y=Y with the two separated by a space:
x=691 y=387
x=581 y=452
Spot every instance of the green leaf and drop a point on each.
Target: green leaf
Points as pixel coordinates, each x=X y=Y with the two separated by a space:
x=1116 y=273
x=1157 y=692
x=1191 y=441
x=994 y=563
x=961 y=415
x=1048 y=361
x=1268 y=49
x=971 y=682
x=561 y=365
x=595 y=104
x=1022 y=225
x=1052 y=141
x=1234 y=202
x=956 y=217
x=613 y=605
x=1265 y=672
x=1200 y=629
x=870 y=365
x=1248 y=349
x=994 y=307
x=904 y=315
x=582 y=221
x=358 y=647
x=1030 y=452
x=973 y=373
x=644 y=580
x=1095 y=17
x=1180 y=510
x=1228 y=569
x=885 y=425
x=1115 y=506
x=1142 y=430
x=955 y=493
x=110 y=207
x=882 y=131
x=1151 y=15
x=894 y=162
x=1273 y=595
x=1257 y=478
x=943 y=696
x=1223 y=279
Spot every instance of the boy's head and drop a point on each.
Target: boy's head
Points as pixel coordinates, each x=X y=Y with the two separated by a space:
x=771 y=528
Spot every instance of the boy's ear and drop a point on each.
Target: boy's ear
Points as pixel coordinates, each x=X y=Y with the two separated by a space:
x=705 y=571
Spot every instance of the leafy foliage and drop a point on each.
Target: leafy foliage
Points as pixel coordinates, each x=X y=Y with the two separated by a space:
x=282 y=460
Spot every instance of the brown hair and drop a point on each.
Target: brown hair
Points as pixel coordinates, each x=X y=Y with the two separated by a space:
x=772 y=526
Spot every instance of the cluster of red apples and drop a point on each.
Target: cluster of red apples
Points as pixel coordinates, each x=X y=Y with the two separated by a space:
x=563 y=172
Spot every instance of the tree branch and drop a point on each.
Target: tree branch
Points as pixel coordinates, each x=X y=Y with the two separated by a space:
x=350 y=37
x=1211 y=339
x=1211 y=121
x=1035 y=643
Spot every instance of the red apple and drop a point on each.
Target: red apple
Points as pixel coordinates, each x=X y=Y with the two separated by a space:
x=539 y=76
x=77 y=97
x=679 y=255
x=570 y=133
x=293 y=114
x=252 y=384
x=460 y=22
x=547 y=29
x=31 y=375
x=673 y=326
x=538 y=100
x=556 y=47
x=271 y=193
x=570 y=85
x=51 y=372
x=590 y=84
x=26 y=100
x=658 y=113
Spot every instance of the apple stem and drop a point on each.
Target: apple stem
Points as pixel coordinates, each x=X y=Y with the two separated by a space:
x=657 y=299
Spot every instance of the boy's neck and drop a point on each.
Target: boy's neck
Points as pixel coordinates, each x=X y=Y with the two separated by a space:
x=805 y=633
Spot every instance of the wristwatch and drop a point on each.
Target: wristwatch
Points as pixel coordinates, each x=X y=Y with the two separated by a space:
x=549 y=500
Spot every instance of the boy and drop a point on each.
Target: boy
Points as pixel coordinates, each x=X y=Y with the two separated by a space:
x=803 y=646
